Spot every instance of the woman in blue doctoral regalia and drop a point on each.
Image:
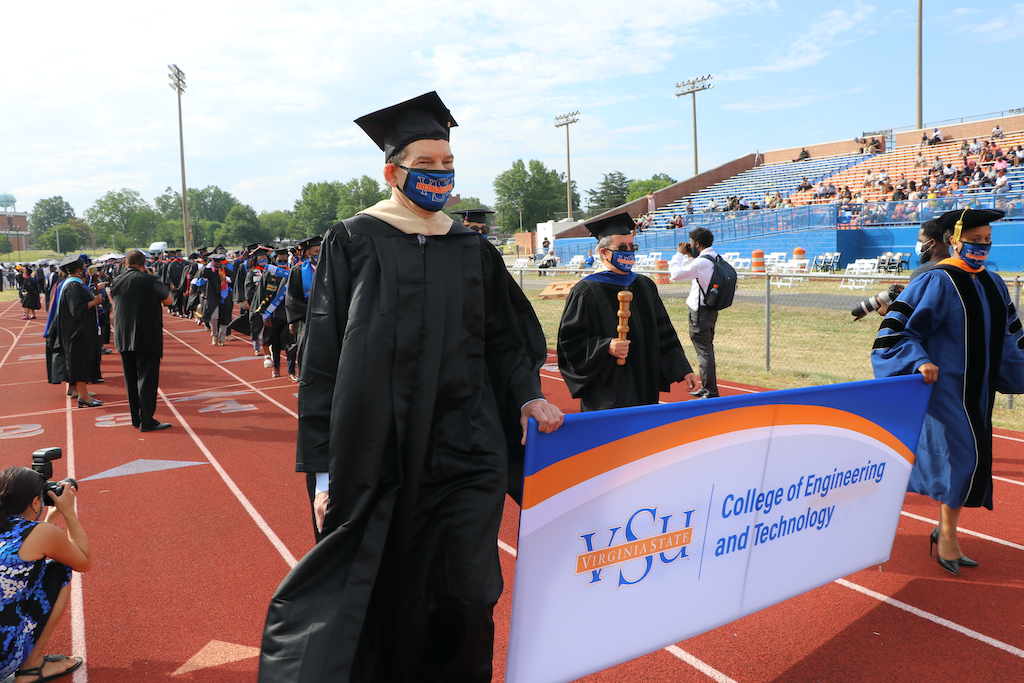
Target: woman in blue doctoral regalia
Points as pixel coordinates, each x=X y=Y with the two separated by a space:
x=955 y=325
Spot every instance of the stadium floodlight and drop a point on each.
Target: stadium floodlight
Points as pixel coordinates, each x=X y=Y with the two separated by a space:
x=177 y=84
x=920 y=68
x=692 y=87
x=560 y=121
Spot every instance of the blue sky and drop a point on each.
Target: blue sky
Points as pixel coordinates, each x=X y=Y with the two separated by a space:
x=273 y=86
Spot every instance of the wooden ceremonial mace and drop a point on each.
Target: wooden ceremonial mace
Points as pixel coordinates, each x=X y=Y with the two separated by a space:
x=625 y=296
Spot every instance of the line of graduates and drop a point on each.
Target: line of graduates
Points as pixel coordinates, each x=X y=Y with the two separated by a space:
x=270 y=287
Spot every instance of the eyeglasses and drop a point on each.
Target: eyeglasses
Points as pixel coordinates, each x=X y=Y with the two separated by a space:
x=624 y=247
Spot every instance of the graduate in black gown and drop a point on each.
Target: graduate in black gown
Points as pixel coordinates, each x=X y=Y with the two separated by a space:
x=300 y=280
x=75 y=331
x=588 y=344
x=412 y=343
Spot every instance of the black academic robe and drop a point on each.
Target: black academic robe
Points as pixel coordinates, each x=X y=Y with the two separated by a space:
x=588 y=326
x=214 y=300
x=410 y=341
x=76 y=334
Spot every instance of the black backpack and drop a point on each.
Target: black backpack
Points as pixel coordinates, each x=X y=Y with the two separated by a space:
x=722 y=287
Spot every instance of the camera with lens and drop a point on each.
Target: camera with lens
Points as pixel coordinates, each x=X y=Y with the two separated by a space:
x=875 y=302
x=42 y=465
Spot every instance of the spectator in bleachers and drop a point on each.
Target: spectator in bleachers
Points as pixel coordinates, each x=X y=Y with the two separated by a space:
x=712 y=206
x=975 y=148
x=977 y=178
x=921 y=161
x=804 y=185
x=898 y=195
x=1002 y=184
x=689 y=206
x=937 y=164
x=883 y=178
x=1018 y=156
x=948 y=170
x=744 y=204
x=804 y=154
x=869 y=179
x=997 y=132
x=786 y=204
x=965 y=150
x=588 y=262
x=987 y=153
x=1000 y=163
x=912 y=193
x=924 y=140
x=936 y=137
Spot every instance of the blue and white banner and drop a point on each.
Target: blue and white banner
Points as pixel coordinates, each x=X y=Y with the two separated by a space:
x=642 y=527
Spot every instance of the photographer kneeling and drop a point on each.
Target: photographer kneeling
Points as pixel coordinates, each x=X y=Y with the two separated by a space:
x=36 y=559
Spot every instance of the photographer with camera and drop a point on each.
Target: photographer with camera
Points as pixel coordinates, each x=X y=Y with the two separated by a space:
x=36 y=560
x=703 y=318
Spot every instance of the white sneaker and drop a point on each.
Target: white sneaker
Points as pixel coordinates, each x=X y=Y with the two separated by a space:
x=268 y=362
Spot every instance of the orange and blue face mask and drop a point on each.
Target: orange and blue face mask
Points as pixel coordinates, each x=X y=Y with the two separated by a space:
x=428 y=190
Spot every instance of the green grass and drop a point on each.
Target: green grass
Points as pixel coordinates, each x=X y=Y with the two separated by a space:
x=810 y=344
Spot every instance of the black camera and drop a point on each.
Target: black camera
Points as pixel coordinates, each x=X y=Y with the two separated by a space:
x=874 y=303
x=41 y=464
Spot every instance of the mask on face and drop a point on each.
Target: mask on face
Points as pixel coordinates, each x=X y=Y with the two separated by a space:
x=428 y=190
x=313 y=258
x=261 y=263
x=623 y=260
x=974 y=255
x=921 y=250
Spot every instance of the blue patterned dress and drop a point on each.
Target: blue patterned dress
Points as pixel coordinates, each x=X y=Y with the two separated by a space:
x=27 y=593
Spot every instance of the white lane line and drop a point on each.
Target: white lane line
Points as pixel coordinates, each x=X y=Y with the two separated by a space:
x=966 y=532
x=256 y=517
x=14 y=343
x=953 y=626
x=81 y=675
x=239 y=379
x=673 y=650
x=1008 y=438
x=1008 y=481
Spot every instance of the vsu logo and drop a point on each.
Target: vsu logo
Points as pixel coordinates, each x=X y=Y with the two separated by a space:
x=667 y=545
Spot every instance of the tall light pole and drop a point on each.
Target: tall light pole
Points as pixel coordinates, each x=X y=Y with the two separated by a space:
x=692 y=87
x=177 y=84
x=920 y=113
x=560 y=121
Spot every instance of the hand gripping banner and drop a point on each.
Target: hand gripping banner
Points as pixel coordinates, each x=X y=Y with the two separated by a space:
x=645 y=526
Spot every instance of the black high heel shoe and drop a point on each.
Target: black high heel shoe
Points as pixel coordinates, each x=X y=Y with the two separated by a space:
x=91 y=403
x=952 y=566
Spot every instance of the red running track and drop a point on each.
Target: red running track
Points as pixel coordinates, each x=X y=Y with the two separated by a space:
x=187 y=557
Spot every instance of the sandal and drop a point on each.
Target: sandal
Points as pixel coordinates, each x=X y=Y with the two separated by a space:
x=38 y=670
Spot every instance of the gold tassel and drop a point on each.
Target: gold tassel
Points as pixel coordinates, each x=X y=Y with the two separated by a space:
x=959 y=226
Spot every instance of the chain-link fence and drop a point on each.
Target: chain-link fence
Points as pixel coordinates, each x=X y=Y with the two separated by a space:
x=781 y=331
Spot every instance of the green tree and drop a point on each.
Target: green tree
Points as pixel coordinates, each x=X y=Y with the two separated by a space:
x=47 y=213
x=209 y=204
x=317 y=209
x=68 y=239
x=640 y=188
x=242 y=226
x=5 y=245
x=358 y=194
x=123 y=219
x=84 y=232
x=535 y=190
x=612 y=192
x=168 y=205
x=276 y=224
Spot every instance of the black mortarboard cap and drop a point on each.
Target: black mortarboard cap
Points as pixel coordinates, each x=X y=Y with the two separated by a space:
x=251 y=247
x=262 y=250
x=311 y=242
x=283 y=251
x=421 y=118
x=965 y=219
x=69 y=263
x=194 y=255
x=217 y=257
x=473 y=215
x=619 y=224
x=220 y=248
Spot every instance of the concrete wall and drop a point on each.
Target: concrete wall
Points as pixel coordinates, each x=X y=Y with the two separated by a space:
x=960 y=131
x=825 y=149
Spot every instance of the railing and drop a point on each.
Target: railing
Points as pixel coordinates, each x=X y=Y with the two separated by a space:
x=964 y=119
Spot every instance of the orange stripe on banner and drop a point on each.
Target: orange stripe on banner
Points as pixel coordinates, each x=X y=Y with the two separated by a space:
x=563 y=475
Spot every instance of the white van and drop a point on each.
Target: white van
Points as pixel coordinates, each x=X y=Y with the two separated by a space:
x=158 y=246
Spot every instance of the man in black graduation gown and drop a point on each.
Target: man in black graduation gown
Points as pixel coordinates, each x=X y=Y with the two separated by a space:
x=300 y=280
x=411 y=346
x=588 y=344
x=269 y=307
x=475 y=219
x=74 y=334
x=138 y=336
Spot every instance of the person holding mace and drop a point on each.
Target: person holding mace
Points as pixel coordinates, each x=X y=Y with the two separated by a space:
x=606 y=368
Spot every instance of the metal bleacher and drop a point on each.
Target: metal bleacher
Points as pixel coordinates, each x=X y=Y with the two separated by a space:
x=754 y=184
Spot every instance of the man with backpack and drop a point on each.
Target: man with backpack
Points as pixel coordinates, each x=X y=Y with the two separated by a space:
x=714 y=283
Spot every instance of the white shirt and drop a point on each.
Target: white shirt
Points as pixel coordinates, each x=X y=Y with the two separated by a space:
x=699 y=270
